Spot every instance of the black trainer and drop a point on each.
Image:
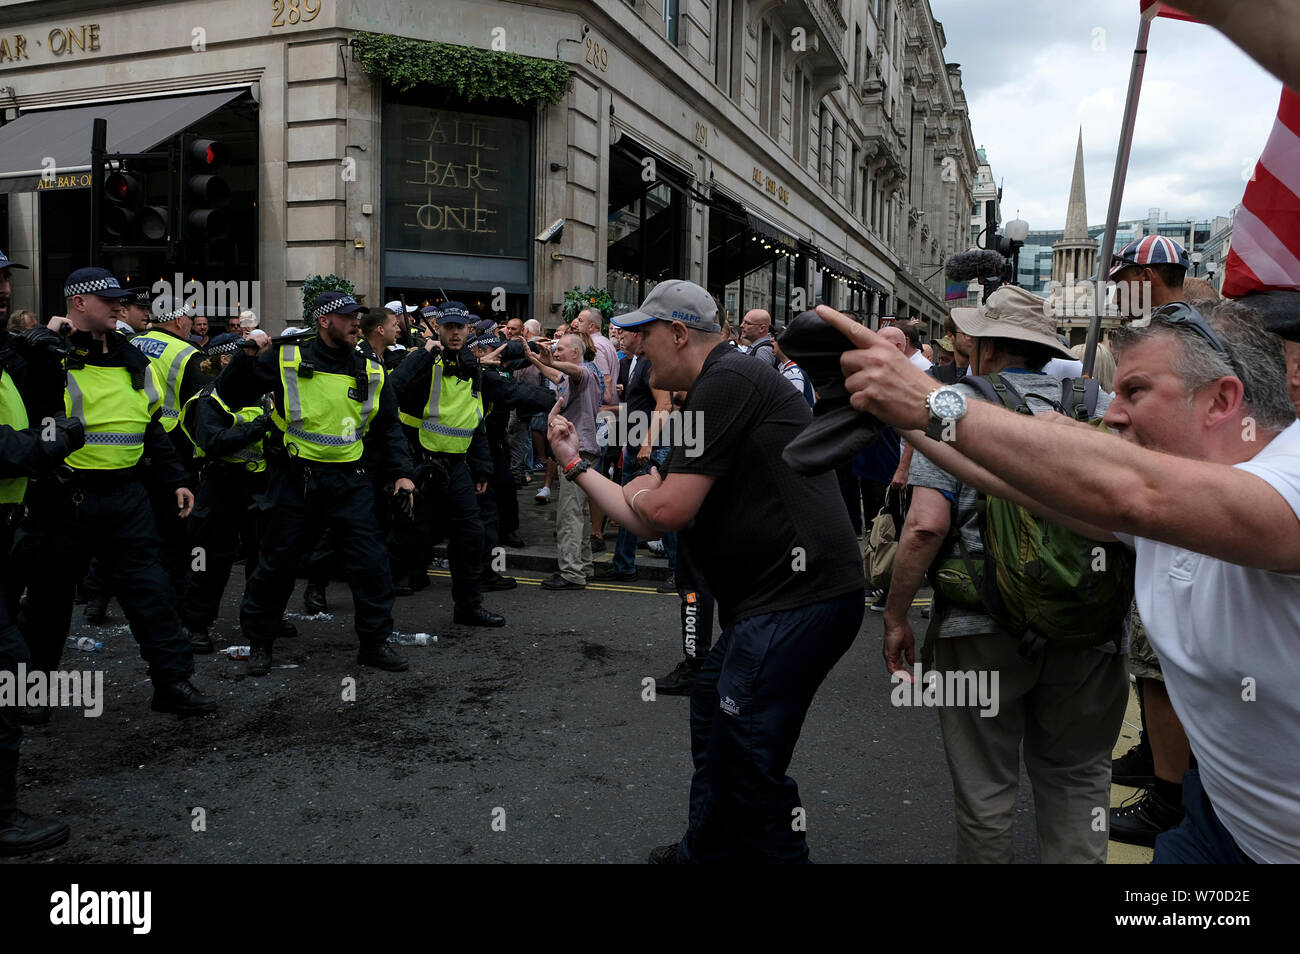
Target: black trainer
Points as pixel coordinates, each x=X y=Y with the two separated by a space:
x=668 y=585
x=200 y=641
x=609 y=573
x=182 y=698
x=259 y=658
x=680 y=680
x=313 y=599
x=1138 y=822
x=1135 y=767
x=877 y=605
x=664 y=855
x=557 y=582
x=381 y=656
x=476 y=616
x=20 y=834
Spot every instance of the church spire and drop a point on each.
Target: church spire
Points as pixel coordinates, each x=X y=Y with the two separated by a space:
x=1076 y=217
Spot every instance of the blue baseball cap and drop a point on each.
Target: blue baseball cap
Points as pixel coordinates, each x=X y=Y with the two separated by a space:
x=5 y=263
x=93 y=281
x=674 y=300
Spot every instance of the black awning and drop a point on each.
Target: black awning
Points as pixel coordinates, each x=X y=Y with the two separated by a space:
x=27 y=143
x=870 y=282
x=835 y=266
x=775 y=233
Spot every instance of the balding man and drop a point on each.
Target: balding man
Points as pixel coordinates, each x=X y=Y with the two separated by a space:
x=895 y=337
x=755 y=330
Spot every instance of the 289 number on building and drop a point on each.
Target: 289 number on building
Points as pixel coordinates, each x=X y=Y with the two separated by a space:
x=597 y=55
x=293 y=11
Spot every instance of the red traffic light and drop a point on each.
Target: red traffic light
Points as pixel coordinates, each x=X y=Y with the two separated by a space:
x=207 y=153
x=125 y=188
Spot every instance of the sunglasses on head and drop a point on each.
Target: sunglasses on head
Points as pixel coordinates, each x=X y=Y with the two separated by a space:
x=1181 y=313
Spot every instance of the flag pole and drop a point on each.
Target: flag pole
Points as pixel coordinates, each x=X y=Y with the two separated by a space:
x=1117 y=192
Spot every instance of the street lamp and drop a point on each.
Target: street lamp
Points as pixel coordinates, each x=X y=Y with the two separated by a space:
x=1017 y=230
x=1210 y=268
x=1196 y=264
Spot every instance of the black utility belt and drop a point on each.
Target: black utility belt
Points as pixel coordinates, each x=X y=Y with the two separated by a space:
x=98 y=479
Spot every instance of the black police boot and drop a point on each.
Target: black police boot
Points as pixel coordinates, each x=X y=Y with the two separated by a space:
x=680 y=681
x=492 y=580
x=401 y=587
x=1136 y=767
x=313 y=599
x=182 y=698
x=96 y=610
x=259 y=657
x=477 y=616
x=664 y=855
x=287 y=629
x=381 y=656
x=200 y=641
x=20 y=834
x=1140 y=822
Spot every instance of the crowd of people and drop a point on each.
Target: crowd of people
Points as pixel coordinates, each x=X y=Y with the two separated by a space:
x=133 y=438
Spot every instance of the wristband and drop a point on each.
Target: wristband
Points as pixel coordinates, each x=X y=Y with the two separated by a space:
x=571 y=464
x=632 y=503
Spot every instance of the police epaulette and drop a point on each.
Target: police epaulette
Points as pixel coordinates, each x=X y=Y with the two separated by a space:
x=137 y=377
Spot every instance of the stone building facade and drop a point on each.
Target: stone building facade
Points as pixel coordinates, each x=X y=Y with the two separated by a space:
x=778 y=153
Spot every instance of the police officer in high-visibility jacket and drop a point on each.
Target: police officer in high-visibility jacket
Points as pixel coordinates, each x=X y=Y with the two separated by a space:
x=439 y=392
x=98 y=504
x=176 y=363
x=25 y=451
x=228 y=448
x=331 y=401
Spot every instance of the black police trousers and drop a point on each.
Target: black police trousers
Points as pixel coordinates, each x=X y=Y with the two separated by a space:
x=12 y=652
x=105 y=515
x=446 y=507
x=225 y=519
x=305 y=499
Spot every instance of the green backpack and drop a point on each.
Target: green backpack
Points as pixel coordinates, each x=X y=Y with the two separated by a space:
x=1046 y=585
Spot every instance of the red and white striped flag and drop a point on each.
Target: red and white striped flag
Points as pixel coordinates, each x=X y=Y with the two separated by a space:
x=1265 y=252
x=1153 y=8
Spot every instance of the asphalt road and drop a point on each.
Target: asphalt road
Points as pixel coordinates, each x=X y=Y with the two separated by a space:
x=539 y=727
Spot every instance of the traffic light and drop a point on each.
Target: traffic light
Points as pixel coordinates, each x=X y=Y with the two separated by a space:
x=127 y=219
x=204 y=193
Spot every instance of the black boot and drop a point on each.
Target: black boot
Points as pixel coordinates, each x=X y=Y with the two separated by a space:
x=313 y=599
x=182 y=698
x=20 y=834
x=680 y=680
x=259 y=658
x=477 y=616
x=200 y=641
x=1136 y=767
x=96 y=610
x=381 y=656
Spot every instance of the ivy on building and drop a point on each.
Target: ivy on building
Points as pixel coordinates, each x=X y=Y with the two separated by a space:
x=473 y=73
x=315 y=285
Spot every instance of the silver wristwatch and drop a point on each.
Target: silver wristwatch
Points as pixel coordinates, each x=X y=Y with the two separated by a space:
x=946 y=405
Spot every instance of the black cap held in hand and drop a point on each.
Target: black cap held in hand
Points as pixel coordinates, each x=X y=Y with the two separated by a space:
x=838 y=432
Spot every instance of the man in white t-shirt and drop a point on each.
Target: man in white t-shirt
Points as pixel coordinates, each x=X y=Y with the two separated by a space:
x=1205 y=485
x=912 y=332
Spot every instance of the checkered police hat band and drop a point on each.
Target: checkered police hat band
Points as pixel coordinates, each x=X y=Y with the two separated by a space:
x=332 y=306
x=89 y=288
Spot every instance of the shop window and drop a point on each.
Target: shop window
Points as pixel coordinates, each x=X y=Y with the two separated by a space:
x=645 y=230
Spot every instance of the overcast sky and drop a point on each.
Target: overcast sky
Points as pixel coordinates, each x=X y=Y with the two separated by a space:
x=1032 y=77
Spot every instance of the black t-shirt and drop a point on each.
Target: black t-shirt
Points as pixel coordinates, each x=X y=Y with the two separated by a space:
x=766 y=538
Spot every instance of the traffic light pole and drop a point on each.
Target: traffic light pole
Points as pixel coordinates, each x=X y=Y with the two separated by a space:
x=98 y=146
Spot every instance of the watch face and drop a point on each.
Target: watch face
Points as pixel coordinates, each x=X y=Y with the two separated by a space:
x=947 y=404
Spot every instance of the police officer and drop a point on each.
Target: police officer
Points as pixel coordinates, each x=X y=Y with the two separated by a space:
x=97 y=504
x=228 y=448
x=135 y=312
x=23 y=453
x=330 y=402
x=439 y=393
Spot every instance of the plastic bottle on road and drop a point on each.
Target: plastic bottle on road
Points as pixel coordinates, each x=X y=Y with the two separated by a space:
x=88 y=645
x=412 y=639
x=237 y=652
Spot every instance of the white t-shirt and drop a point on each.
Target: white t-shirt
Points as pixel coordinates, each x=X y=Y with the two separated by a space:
x=1216 y=625
x=919 y=359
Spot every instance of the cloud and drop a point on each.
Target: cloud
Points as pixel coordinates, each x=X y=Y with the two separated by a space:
x=1034 y=71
